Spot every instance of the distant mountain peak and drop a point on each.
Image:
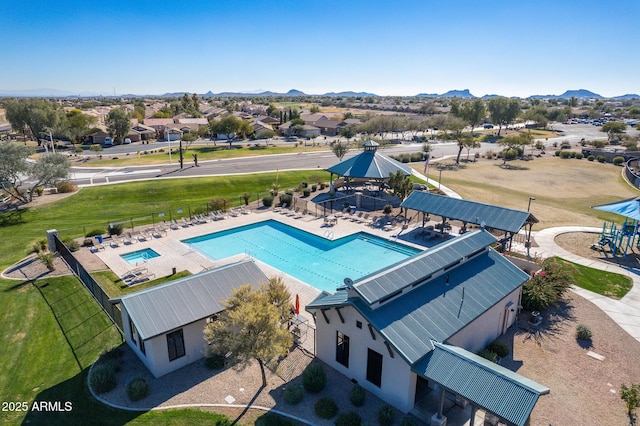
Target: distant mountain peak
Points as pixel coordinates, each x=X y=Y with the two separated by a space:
x=450 y=94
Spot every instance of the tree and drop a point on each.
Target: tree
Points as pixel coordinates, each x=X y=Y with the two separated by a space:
x=348 y=132
x=252 y=326
x=37 y=115
x=474 y=113
x=469 y=144
x=340 y=149
x=547 y=287
x=613 y=129
x=456 y=126
x=631 y=397
x=503 y=111
x=77 y=125
x=118 y=124
x=400 y=184
x=230 y=126
x=314 y=109
x=515 y=143
x=16 y=170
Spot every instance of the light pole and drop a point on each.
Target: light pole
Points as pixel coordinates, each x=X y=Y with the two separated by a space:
x=528 y=243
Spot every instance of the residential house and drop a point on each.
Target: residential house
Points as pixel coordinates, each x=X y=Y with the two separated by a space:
x=99 y=137
x=413 y=327
x=173 y=134
x=328 y=127
x=140 y=132
x=164 y=325
x=159 y=125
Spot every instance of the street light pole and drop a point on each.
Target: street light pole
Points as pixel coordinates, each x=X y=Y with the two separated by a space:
x=528 y=243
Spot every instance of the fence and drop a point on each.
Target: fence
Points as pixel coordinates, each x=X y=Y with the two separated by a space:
x=94 y=288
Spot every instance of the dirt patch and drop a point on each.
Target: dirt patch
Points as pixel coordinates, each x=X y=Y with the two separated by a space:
x=581 y=243
x=31 y=268
x=584 y=390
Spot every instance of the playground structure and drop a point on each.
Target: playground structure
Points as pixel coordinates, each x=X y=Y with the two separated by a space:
x=618 y=240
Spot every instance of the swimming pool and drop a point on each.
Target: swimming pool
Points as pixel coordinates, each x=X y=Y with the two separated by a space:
x=139 y=256
x=317 y=261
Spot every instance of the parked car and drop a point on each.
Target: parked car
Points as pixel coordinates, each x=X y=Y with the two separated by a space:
x=127 y=141
x=108 y=141
x=488 y=126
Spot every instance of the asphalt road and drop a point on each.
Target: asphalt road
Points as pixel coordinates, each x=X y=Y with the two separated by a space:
x=309 y=160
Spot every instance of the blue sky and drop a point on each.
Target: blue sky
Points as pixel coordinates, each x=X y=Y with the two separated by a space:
x=512 y=48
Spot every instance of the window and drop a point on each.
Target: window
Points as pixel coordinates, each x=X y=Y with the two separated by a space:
x=175 y=344
x=359 y=324
x=132 y=330
x=342 y=349
x=374 y=367
x=142 y=348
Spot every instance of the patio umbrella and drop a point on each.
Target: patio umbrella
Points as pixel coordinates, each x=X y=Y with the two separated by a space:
x=297 y=305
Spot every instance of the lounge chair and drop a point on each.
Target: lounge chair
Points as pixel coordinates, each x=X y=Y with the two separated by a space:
x=243 y=210
x=132 y=273
x=114 y=242
x=174 y=225
x=141 y=237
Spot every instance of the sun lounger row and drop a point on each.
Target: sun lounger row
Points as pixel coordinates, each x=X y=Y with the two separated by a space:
x=137 y=275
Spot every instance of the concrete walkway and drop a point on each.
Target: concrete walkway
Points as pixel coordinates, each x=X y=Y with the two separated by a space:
x=626 y=311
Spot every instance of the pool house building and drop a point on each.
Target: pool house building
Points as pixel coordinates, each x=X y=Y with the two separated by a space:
x=413 y=328
x=164 y=325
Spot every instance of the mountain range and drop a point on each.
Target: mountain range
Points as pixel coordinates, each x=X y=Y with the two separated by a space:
x=464 y=94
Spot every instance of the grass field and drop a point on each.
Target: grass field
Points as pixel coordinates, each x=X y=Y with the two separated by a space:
x=606 y=283
x=150 y=155
x=564 y=189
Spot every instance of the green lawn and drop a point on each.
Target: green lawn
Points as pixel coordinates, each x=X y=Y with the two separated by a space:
x=605 y=283
x=150 y=154
x=96 y=207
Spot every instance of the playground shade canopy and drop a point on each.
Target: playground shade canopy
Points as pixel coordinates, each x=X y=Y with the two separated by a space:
x=628 y=208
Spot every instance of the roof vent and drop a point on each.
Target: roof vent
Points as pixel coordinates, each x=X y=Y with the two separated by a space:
x=348 y=282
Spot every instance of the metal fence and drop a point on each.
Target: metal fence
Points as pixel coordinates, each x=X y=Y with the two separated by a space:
x=94 y=288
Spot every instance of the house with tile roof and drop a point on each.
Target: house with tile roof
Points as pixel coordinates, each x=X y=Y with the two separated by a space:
x=414 y=328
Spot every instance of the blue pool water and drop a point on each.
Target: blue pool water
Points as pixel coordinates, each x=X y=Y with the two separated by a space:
x=139 y=256
x=317 y=261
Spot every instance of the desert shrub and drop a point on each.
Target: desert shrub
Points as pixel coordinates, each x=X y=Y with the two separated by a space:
x=87 y=242
x=599 y=144
x=509 y=153
x=564 y=154
x=583 y=332
x=246 y=196
x=293 y=394
x=103 y=378
x=631 y=397
x=272 y=419
x=565 y=145
x=72 y=244
x=618 y=160
x=219 y=203
x=500 y=348
x=215 y=361
x=358 y=395
x=408 y=421
x=547 y=287
x=115 y=228
x=66 y=187
x=47 y=259
x=387 y=209
x=350 y=418
x=314 y=187
x=579 y=156
x=137 y=389
x=487 y=354
x=267 y=200
x=285 y=199
x=314 y=378
x=417 y=156
x=94 y=232
x=591 y=157
x=386 y=413
x=306 y=192
x=325 y=408
x=601 y=158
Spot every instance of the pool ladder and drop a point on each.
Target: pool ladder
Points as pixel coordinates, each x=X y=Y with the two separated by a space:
x=248 y=254
x=328 y=234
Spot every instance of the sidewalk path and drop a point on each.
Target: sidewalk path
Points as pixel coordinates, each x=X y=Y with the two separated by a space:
x=626 y=311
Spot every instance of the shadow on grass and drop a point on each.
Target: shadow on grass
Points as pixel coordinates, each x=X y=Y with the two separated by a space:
x=12 y=217
x=71 y=403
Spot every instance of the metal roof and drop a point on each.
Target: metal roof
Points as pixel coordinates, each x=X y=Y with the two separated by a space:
x=378 y=285
x=163 y=308
x=468 y=211
x=370 y=165
x=440 y=307
x=512 y=396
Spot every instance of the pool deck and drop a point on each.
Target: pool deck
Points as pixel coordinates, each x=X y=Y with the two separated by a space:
x=176 y=254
